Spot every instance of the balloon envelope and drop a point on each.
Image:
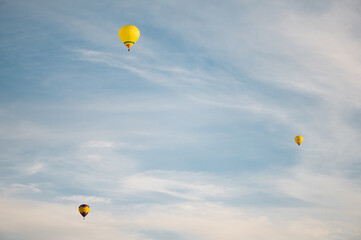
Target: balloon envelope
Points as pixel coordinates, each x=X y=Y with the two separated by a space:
x=299 y=140
x=129 y=35
x=84 y=210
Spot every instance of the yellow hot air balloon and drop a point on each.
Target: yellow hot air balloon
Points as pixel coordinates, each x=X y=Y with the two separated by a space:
x=298 y=140
x=84 y=210
x=129 y=35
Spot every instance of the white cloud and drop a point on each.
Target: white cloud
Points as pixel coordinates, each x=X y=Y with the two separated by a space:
x=100 y=144
x=183 y=185
x=18 y=188
x=36 y=168
x=20 y=129
x=324 y=189
x=202 y=221
x=85 y=199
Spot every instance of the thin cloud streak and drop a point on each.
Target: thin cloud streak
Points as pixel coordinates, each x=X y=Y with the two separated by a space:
x=183 y=185
x=85 y=199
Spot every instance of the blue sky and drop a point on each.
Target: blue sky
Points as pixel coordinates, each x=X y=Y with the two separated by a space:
x=191 y=134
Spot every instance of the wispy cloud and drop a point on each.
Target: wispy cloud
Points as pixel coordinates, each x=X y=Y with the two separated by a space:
x=18 y=188
x=85 y=199
x=183 y=185
x=37 y=167
x=336 y=190
x=191 y=134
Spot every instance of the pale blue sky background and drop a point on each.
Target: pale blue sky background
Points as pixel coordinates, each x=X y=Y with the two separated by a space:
x=190 y=136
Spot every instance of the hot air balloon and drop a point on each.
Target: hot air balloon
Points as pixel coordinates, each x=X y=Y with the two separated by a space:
x=84 y=210
x=129 y=35
x=298 y=140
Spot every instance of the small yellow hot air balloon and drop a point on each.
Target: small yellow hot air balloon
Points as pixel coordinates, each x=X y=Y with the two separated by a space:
x=84 y=210
x=298 y=140
x=129 y=35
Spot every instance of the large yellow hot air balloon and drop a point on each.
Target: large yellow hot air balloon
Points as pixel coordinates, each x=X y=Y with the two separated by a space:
x=84 y=210
x=129 y=35
x=298 y=140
